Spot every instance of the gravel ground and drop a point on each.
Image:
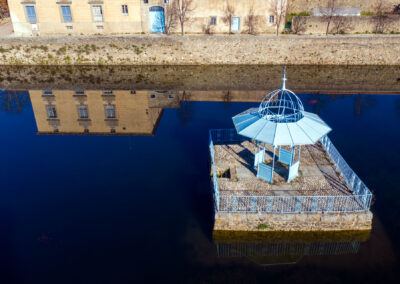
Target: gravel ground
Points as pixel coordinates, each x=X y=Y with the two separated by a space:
x=317 y=173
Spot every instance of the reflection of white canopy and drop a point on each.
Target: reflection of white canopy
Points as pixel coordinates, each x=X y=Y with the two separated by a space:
x=307 y=130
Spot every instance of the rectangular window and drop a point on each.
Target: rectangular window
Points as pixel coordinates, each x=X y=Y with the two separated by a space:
x=47 y=92
x=31 y=14
x=51 y=111
x=97 y=13
x=66 y=13
x=125 y=10
x=146 y=1
x=110 y=111
x=166 y=1
x=83 y=111
x=271 y=19
x=213 y=20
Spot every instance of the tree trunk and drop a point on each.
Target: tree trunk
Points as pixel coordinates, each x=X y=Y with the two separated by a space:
x=182 y=31
x=327 y=27
x=277 y=30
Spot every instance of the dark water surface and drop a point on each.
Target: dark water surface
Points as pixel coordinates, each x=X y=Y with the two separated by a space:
x=137 y=208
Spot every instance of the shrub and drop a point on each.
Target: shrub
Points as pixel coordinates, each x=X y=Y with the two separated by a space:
x=366 y=13
x=264 y=226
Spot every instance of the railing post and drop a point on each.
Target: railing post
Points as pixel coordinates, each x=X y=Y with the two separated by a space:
x=313 y=205
x=253 y=206
x=269 y=204
x=330 y=204
x=298 y=204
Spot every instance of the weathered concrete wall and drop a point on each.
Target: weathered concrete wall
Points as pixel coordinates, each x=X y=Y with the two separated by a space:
x=293 y=221
x=357 y=24
x=177 y=50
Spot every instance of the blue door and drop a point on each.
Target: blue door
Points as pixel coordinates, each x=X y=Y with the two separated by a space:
x=235 y=24
x=157 y=23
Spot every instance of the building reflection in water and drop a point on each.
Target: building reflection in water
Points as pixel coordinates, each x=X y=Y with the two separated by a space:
x=133 y=112
x=117 y=112
x=273 y=248
x=99 y=112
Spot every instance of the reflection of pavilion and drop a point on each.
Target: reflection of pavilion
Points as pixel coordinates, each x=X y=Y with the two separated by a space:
x=269 y=248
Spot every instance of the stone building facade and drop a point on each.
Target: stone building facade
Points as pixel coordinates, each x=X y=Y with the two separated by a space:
x=85 y=17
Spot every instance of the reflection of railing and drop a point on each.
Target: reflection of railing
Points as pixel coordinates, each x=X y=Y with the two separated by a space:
x=359 y=201
x=286 y=249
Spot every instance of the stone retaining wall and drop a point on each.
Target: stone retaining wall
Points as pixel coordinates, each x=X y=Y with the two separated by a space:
x=202 y=50
x=349 y=25
x=293 y=221
x=308 y=5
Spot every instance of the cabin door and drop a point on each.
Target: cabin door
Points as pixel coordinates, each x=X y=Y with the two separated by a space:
x=157 y=21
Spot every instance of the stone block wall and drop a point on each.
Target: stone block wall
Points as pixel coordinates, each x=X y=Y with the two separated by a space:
x=298 y=6
x=293 y=221
x=351 y=25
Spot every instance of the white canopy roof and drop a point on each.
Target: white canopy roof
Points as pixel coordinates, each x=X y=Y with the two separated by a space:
x=307 y=130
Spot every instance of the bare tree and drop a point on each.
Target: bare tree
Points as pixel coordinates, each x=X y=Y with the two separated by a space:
x=251 y=21
x=278 y=9
x=328 y=14
x=229 y=12
x=182 y=10
x=171 y=18
x=341 y=24
x=381 y=17
x=14 y=101
x=299 y=24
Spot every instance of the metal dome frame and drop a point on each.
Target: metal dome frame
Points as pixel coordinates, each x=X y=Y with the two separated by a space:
x=281 y=105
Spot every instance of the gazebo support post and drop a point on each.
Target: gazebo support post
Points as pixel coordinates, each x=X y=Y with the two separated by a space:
x=273 y=166
x=299 y=152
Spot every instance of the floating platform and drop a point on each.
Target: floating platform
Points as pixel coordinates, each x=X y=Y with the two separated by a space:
x=326 y=195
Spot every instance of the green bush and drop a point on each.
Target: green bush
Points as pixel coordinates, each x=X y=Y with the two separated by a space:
x=264 y=226
x=366 y=13
x=301 y=14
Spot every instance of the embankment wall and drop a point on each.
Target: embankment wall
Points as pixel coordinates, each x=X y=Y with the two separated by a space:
x=242 y=221
x=202 y=50
x=353 y=25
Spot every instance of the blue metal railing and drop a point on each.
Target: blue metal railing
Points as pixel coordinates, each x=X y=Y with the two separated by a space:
x=360 y=200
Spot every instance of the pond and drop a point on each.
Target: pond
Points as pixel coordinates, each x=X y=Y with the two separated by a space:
x=122 y=194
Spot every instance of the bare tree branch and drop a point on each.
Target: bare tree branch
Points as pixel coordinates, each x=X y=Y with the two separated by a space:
x=182 y=9
x=341 y=24
x=171 y=18
x=329 y=13
x=251 y=21
x=229 y=12
x=381 y=18
x=299 y=24
x=279 y=8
